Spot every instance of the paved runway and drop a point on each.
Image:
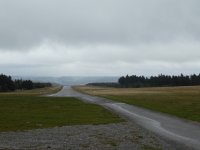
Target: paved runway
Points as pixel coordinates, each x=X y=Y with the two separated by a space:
x=178 y=130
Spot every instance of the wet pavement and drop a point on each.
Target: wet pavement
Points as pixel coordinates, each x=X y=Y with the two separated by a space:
x=172 y=128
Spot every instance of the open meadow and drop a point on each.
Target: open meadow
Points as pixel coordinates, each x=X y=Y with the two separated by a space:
x=24 y=110
x=183 y=102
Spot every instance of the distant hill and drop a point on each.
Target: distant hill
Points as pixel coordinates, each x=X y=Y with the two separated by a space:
x=70 y=80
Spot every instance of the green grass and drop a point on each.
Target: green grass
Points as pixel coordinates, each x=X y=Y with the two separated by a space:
x=147 y=147
x=179 y=104
x=183 y=102
x=24 y=112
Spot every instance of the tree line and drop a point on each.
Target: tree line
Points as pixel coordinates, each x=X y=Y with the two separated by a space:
x=159 y=81
x=104 y=84
x=7 y=84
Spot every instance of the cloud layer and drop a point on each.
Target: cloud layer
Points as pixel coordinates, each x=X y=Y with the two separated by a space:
x=107 y=37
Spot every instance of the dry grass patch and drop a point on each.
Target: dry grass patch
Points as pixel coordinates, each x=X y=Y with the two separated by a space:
x=38 y=91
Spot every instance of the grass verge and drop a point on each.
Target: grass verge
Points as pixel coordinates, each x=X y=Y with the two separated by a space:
x=25 y=112
x=183 y=102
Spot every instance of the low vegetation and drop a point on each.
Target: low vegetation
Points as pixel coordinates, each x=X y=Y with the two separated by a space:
x=105 y=84
x=182 y=102
x=27 y=110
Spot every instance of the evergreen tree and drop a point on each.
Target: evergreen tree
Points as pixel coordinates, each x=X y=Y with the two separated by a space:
x=158 y=81
x=6 y=83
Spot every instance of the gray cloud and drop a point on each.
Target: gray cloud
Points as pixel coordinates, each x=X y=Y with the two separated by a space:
x=27 y=23
x=101 y=37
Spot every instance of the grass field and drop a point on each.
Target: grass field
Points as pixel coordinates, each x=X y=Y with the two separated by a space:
x=27 y=110
x=38 y=91
x=182 y=102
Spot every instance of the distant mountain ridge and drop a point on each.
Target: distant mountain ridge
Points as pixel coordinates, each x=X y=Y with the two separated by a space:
x=71 y=80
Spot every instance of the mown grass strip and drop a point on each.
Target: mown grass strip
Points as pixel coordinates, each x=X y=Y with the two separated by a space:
x=25 y=112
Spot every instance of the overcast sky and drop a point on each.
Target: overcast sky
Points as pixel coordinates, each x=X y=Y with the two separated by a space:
x=99 y=37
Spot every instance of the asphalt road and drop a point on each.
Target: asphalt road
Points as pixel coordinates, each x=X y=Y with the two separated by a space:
x=172 y=128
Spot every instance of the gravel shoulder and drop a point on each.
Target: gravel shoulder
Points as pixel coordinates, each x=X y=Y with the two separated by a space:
x=118 y=136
